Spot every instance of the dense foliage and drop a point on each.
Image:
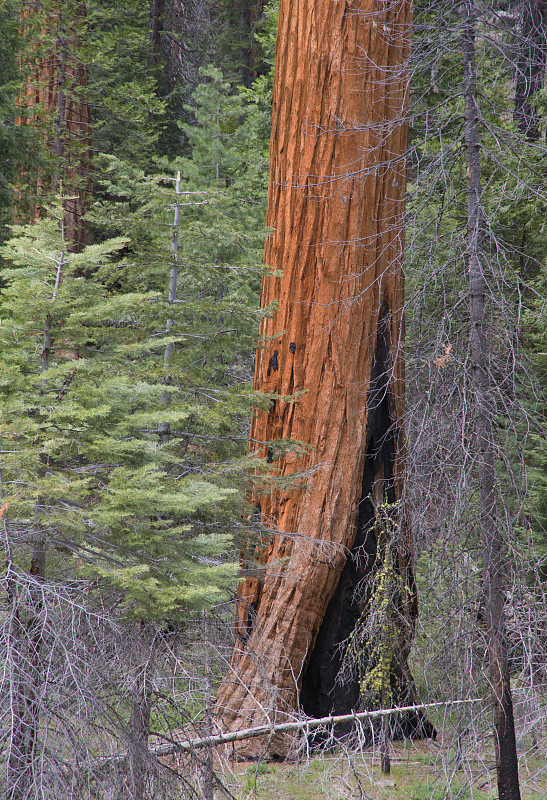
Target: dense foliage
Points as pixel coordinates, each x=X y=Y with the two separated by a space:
x=126 y=358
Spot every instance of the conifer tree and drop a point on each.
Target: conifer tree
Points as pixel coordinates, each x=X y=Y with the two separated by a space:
x=17 y=146
x=129 y=108
x=82 y=382
x=88 y=386
x=86 y=449
x=338 y=141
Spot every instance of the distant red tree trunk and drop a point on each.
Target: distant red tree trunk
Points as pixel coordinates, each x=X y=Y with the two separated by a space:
x=52 y=100
x=335 y=341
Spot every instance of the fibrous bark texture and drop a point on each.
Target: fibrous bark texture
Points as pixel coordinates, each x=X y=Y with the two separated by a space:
x=334 y=343
x=52 y=101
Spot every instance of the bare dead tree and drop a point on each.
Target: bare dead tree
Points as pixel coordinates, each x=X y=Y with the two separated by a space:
x=495 y=571
x=469 y=413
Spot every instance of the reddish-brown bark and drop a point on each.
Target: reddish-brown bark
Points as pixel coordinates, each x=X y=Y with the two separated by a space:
x=336 y=203
x=52 y=101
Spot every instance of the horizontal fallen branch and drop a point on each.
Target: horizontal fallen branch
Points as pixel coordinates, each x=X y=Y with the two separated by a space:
x=287 y=727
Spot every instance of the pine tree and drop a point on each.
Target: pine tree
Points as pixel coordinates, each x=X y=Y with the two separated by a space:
x=86 y=448
x=83 y=396
x=129 y=110
x=123 y=411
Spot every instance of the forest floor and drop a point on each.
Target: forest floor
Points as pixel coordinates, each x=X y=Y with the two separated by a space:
x=419 y=771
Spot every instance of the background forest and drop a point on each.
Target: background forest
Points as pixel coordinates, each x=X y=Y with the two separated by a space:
x=134 y=149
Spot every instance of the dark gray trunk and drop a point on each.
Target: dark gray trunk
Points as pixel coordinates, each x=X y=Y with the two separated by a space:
x=157 y=8
x=491 y=535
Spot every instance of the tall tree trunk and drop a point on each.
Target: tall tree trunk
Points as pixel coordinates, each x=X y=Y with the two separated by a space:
x=492 y=539
x=250 y=12
x=53 y=101
x=336 y=204
x=530 y=66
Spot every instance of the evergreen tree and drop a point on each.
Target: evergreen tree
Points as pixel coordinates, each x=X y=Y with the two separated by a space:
x=129 y=110
x=235 y=26
x=16 y=144
x=84 y=393
x=124 y=417
x=220 y=236
x=82 y=379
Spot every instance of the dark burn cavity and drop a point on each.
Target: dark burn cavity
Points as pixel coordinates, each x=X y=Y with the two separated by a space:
x=322 y=692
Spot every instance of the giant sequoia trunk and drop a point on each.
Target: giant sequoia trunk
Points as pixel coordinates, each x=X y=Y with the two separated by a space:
x=336 y=204
x=53 y=101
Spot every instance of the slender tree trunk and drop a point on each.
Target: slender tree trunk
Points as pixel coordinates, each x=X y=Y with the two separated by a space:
x=164 y=427
x=336 y=204
x=157 y=10
x=255 y=14
x=206 y=767
x=250 y=12
x=492 y=540
x=141 y=707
